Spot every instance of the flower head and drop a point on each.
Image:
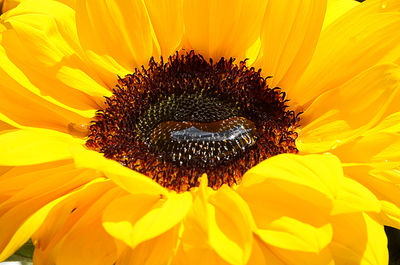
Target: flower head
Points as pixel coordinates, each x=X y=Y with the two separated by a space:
x=97 y=181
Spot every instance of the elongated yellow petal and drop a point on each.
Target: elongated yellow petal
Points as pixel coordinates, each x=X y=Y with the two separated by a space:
x=362 y=38
x=288 y=233
x=167 y=21
x=27 y=147
x=337 y=8
x=380 y=148
x=51 y=60
x=344 y=113
x=152 y=216
x=390 y=214
x=41 y=185
x=75 y=222
x=295 y=214
x=22 y=220
x=96 y=246
x=159 y=250
x=261 y=254
x=291 y=257
x=353 y=197
x=197 y=256
x=22 y=102
x=227 y=28
x=218 y=226
x=289 y=35
x=367 y=244
x=384 y=183
x=230 y=226
x=303 y=171
x=128 y=179
x=22 y=234
x=117 y=36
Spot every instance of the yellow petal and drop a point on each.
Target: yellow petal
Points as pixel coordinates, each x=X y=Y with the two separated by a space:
x=299 y=193
x=86 y=242
x=199 y=212
x=159 y=250
x=167 y=21
x=387 y=189
x=390 y=214
x=291 y=234
x=390 y=124
x=367 y=37
x=40 y=183
x=344 y=113
x=390 y=152
x=22 y=234
x=5 y=126
x=261 y=254
x=152 y=216
x=128 y=179
x=39 y=111
x=384 y=184
x=337 y=8
x=27 y=147
x=223 y=28
x=218 y=227
x=72 y=231
x=25 y=222
x=52 y=60
x=116 y=35
x=197 y=256
x=379 y=148
x=230 y=226
x=289 y=35
x=358 y=239
x=354 y=197
x=87 y=245
x=319 y=173
x=291 y=257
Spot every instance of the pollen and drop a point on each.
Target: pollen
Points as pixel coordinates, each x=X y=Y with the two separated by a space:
x=177 y=120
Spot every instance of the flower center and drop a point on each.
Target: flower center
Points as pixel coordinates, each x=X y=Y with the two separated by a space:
x=195 y=129
x=176 y=121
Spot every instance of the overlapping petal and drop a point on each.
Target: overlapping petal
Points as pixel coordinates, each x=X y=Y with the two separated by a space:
x=159 y=250
x=355 y=42
x=280 y=190
x=216 y=28
x=29 y=193
x=289 y=35
x=346 y=112
x=371 y=249
x=54 y=59
x=137 y=218
x=337 y=8
x=222 y=222
x=288 y=213
x=119 y=36
x=72 y=233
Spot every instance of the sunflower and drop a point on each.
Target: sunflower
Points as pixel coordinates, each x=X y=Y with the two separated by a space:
x=199 y=159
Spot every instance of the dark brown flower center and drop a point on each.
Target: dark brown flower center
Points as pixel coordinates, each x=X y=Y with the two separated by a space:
x=176 y=121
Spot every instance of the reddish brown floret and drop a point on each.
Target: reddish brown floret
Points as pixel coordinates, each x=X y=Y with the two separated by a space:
x=205 y=92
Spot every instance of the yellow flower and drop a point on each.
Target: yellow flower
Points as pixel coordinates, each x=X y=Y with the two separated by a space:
x=59 y=61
